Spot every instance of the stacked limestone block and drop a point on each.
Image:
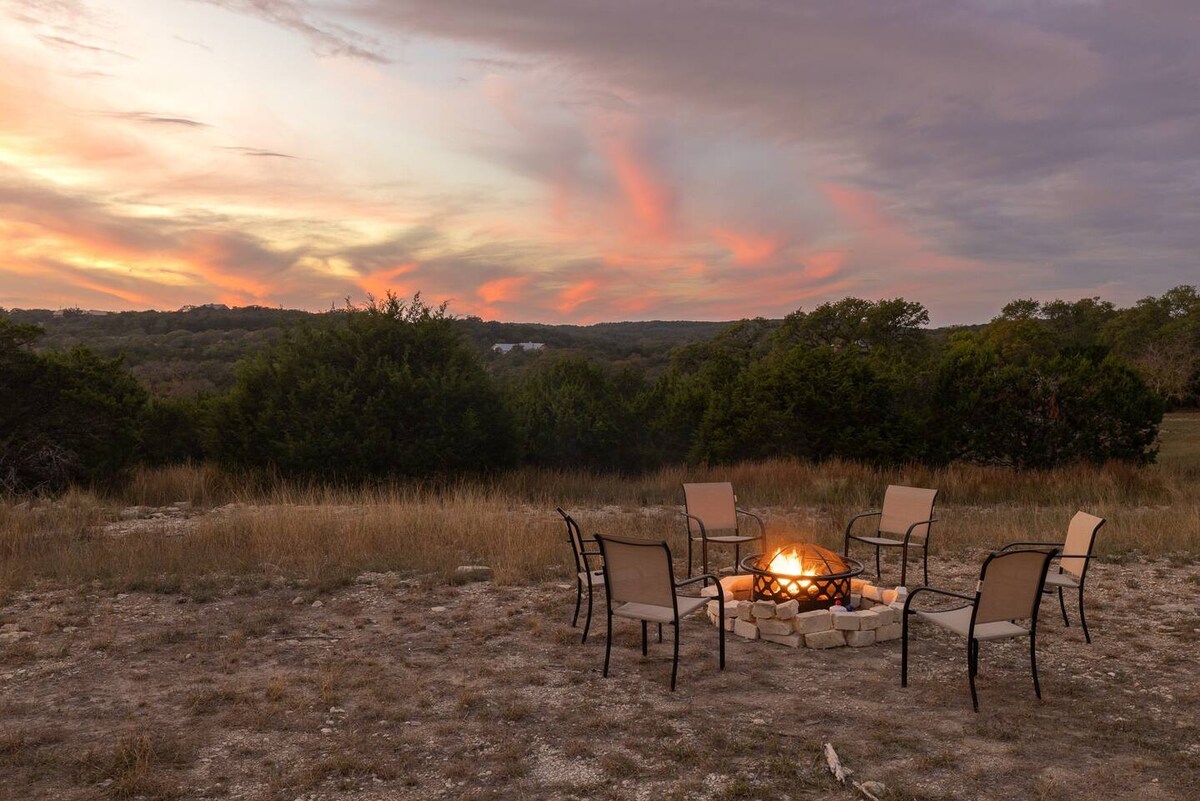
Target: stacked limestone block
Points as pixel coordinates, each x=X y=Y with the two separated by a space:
x=875 y=617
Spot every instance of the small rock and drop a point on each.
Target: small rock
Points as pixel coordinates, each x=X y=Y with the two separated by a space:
x=317 y=604
x=437 y=609
x=467 y=573
x=874 y=788
x=297 y=600
x=326 y=730
x=121 y=596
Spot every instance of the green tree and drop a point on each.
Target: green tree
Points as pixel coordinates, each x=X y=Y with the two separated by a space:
x=390 y=388
x=64 y=416
x=569 y=412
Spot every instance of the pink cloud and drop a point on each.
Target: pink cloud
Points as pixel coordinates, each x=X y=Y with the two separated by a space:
x=746 y=248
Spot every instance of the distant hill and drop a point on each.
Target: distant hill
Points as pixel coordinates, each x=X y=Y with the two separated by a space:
x=196 y=350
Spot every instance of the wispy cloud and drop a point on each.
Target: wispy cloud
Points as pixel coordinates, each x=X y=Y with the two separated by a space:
x=327 y=38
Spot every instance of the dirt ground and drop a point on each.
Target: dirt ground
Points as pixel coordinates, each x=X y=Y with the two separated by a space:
x=391 y=689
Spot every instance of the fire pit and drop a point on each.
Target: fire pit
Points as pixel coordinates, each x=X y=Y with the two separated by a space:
x=815 y=577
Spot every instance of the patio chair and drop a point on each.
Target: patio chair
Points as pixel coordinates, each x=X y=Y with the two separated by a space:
x=907 y=513
x=712 y=508
x=639 y=579
x=1073 y=563
x=585 y=575
x=1009 y=590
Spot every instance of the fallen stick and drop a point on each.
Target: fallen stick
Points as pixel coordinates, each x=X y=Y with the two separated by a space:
x=835 y=764
x=865 y=791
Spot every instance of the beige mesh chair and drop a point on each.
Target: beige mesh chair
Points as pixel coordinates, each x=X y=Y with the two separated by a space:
x=1073 y=564
x=585 y=575
x=639 y=580
x=711 y=508
x=1009 y=590
x=907 y=513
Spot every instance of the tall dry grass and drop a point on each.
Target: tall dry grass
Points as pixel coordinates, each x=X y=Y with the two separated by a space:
x=325 y=535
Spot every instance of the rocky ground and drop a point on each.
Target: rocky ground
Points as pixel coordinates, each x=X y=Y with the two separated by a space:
x=395 y=688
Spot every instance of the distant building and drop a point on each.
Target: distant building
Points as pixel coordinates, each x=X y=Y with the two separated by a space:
x=505 y=347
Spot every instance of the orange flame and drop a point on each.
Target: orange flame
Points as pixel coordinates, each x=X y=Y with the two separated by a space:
x=788 y=564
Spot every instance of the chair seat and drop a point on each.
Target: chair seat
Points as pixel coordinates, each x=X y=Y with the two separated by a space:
x=660 y=614
x=888 y=541
x=595 y=578
x=729 y=538
x=959 y=621
x=1062 y=580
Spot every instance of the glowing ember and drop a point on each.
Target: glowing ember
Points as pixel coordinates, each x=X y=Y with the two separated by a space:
x=787 y=564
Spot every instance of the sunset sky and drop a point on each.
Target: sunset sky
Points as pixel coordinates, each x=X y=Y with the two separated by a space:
x=579 y=161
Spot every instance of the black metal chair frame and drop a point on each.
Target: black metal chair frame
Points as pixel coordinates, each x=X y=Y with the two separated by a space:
x=972 y=643
x=737 y=546
x=1087 y=557
x=720 y=598
x=903 y=545
x=582 y=566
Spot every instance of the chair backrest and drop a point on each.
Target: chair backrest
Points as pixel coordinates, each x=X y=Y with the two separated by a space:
x=713 y=503
x=637 y=571
x=903 y=506
x=1010 y=585
x=1081 y=536
x=575 y=537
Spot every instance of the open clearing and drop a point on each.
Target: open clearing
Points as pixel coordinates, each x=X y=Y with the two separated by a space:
x=374 y=694
x=310 y=647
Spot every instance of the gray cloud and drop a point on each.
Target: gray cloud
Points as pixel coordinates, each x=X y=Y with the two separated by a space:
x=1059 y=135
x=151 y=118
x=326 y=37
x=63 y=42
x=259 y=153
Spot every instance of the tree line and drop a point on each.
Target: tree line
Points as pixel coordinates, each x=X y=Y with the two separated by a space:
x=396 y=388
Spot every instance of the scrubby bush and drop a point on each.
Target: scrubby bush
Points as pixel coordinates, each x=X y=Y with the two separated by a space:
x=388 y=389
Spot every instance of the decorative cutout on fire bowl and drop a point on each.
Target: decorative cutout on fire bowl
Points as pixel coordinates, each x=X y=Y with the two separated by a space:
x=815 y=577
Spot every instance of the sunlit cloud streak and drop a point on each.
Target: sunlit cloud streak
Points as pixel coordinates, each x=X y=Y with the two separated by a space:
x=580 y=161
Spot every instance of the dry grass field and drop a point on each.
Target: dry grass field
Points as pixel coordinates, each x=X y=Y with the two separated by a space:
x=203 y=636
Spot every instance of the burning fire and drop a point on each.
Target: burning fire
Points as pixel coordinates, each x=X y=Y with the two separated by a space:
x=789 y=564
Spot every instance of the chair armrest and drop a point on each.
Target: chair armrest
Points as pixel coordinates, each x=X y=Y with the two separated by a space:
x=694 y=579
x=762 y=530
x=858 y=516
x=908 y=601
x=908 y=533
x=699 y=522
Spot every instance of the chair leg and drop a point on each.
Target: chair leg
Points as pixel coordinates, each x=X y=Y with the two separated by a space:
x=737 y=557
x=878 y=566
x=925 y=562
x=1037 y=688
x=1063 y=606
x=644 y=649
x=904 y=565
x=689 y=539
x=704 y=552
x=578 y=600
x=721 y=637
x=1082 y=619
x=587 y=623
x=904 y=652
x=660 y=632
x=608 y=644
x=971 y=674
x=675 y=657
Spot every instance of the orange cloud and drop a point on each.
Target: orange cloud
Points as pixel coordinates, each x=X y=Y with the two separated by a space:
x=825 y=264
x=746 y=248
x=501 y=290
x=649 y=200
x=575 y=296
x=378 y=283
